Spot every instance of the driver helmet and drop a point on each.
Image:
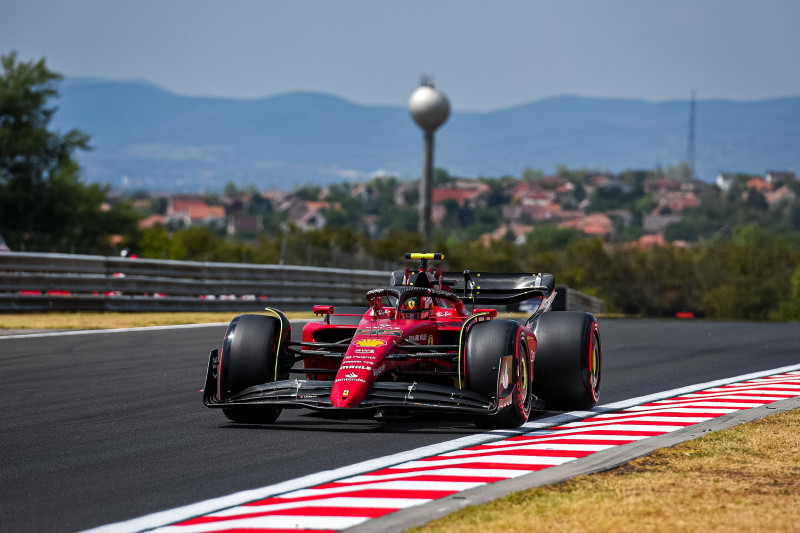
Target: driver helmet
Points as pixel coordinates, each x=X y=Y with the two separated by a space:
x=418 y=307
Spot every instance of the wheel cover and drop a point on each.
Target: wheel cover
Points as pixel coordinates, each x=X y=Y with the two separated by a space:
x=523 y=381
x=594 y=368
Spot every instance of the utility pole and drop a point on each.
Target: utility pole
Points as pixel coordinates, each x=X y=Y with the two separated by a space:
x=429 y=108
x=690 y=155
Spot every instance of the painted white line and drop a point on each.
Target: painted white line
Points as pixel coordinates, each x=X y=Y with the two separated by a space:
x=103 y=331
x=186 y=512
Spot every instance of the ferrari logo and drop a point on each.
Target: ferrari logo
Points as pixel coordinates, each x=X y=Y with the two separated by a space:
x=411 y=304
x=346 y=393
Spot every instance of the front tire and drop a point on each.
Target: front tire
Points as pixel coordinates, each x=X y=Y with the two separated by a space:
x=487 y=345
x=249 y=357
x=568 y=363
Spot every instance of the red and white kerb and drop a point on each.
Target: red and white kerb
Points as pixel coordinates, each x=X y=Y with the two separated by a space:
x=351 y=501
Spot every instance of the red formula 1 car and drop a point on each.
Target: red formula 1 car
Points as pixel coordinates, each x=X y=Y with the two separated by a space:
x=421 y=345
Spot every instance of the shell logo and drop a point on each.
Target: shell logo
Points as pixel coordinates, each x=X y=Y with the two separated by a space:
x=370 y=343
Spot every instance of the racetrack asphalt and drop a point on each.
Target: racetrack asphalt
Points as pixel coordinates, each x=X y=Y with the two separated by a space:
x=100 y=428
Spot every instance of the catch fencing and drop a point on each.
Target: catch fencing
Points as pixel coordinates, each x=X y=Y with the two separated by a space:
x=65 y=282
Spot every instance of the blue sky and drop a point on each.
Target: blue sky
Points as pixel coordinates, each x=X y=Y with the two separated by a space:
x=484 y=55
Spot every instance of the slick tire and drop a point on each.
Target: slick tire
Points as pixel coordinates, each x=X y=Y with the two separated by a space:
x=486 y=344
x=567 y=365
x=249 y=357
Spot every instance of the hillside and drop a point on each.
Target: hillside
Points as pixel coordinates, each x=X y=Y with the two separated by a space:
x=146 y=137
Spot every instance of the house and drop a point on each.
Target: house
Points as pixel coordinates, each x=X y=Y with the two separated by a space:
x=404 y=191
x=153 y=220
x=659 y=185
x=463 y=197
x=238 y=224
x=517 y=232
x=194 y=212
x=623 y=215
x=659 y=218
x=648 y=242
x=677 y=201
x=275 y=197
x=522 y=214
x=364 y=191
x=592 y=182
x=724 y=180
x=596 y=224
x=780 y=195
x=311 y=220
x=777 y=178
x=759 y=184
x=307 y=214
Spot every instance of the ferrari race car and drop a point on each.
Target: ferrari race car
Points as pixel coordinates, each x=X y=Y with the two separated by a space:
x=422 y=344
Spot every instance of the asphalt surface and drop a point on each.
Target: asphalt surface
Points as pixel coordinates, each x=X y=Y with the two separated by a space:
x=101 y=428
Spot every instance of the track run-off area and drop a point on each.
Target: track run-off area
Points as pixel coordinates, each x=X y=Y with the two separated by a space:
x=109 y=429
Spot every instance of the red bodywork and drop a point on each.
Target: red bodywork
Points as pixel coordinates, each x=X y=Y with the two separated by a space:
x=408 y=350
x=387 y=329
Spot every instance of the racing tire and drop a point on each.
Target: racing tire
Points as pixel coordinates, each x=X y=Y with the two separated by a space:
x=568 y=365
x=486 y=344
x=249 y=356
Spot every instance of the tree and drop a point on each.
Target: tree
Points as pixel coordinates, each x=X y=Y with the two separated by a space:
x=530 y=174
x=43 y=204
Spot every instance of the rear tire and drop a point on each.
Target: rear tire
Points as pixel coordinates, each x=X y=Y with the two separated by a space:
x=485 y=346
x=249 y=356
x=567 y=365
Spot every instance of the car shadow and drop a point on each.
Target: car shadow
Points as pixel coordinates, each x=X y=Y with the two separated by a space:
x=422 y=424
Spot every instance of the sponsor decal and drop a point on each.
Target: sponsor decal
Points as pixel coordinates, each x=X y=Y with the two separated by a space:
x=420 y=338
x=359 y=360
x=350 y=379
x=370 y=343
x=378 y=370
x=388 y=330
x=363 y=350
x=351 y=375
x=356 y=367
x=430 y=340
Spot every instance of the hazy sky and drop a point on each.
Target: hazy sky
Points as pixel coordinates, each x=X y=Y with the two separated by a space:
x=484 y=55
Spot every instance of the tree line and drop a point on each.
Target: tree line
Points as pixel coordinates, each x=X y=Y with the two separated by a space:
x=745 y=268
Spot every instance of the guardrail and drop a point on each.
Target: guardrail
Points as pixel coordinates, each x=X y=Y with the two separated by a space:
x=63 y=282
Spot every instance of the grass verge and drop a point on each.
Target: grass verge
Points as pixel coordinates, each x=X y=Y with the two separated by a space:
x=96 y=320
x=746 y=478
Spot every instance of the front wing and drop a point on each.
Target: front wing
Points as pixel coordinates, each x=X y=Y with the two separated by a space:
x=315 y=394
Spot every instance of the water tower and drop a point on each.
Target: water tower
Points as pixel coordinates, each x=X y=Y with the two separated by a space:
x=430 y=109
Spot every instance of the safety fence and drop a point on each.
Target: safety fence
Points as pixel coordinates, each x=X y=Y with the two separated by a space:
x=64 y=282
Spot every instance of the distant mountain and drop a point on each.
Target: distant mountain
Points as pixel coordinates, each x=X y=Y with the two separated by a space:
x=146 y=137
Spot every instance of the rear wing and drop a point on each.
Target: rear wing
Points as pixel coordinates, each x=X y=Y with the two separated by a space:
x=490 y=288
x=494 y=288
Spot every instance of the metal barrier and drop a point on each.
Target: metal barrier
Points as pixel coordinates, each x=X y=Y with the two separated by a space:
x=41 y=282
x=63 y=282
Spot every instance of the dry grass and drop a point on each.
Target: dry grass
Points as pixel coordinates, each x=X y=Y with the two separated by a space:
x=115 y=320
x=743 y=479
